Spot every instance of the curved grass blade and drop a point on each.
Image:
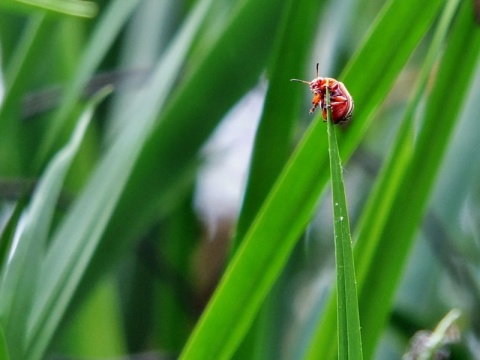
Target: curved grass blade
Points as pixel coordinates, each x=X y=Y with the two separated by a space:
x=273 y=144
x=383 y=196
x=20 y=69
x=454 y=77
x=18 y=281
x=105 y=33
x=374 y=217
x=3 y=345
x=258 y=261
x=68 y=7
x=77 y=237
x=8 y=231
x=291 y=203
x=369 y=77
x=273 y=139
x=166 y=166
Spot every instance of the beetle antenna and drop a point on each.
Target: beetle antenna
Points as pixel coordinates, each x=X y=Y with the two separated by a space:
x=317 y=70
x=302 y=81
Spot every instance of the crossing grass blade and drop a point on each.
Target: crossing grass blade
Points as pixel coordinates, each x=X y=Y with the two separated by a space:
x=290 y=204
x=388 y=227
x=76 y=239
x=17 y=283
x=274 y=142
x=68 y=7
x=144 y=188
x=3 y=345
x=167 y=163
x=105 y=34
x=19 y=70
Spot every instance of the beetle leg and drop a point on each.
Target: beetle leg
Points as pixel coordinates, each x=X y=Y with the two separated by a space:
x=317 y=99
x=324 y=114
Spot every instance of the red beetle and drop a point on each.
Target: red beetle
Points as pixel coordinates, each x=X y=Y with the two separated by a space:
x=341 y=101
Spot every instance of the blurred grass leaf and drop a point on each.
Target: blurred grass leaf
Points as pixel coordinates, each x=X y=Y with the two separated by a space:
x=452 y=82
x=165 y=168
x=291 y=203
x=68 y=7
x=19 y=71
x=76 y=240
x=3 y=345
x=142 y=187
x=273 y=140
x=105 y=33
x=8 y=230
x=18 y=281
x=397 y=206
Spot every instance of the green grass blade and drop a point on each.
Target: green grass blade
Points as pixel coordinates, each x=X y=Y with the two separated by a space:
x=259 y=259
x=273 y=140
x=381 y=200
x=3 y=345
x=20 y=69
x=273 y=144
x=384 y=285
x=8 y=230
x=369 y=77
x=165 y=169
x=104 y=35
x=136 y=188
x=349 y=338
x=77 y=238
x=441 y=117
x=23 y=52
x=384 y=194
x=291 y=203
x=68 y=7
x=18 y=280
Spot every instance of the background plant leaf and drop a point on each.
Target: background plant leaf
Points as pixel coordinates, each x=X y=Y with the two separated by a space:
x=135 y=194
x=18 y=283
x=58 y=276
x=286 y=211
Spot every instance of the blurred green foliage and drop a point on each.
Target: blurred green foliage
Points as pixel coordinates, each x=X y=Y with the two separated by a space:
x=104 y=249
